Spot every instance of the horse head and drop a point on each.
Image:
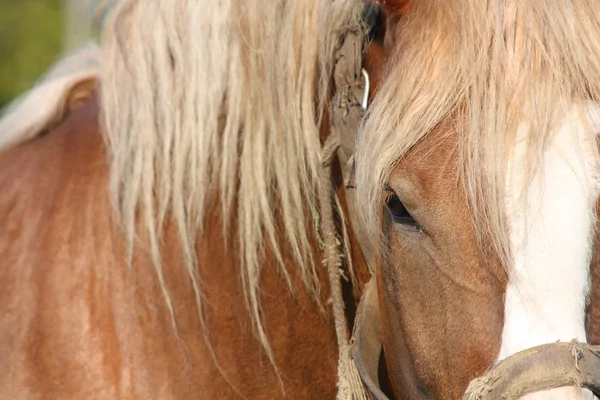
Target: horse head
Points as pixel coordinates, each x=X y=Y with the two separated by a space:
x=477 y=179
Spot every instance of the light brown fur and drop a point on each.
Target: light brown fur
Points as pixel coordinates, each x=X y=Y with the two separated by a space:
x=77 y=323
x=435 y=342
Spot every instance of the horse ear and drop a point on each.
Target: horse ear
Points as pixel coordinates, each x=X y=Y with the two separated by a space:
x=395 y=8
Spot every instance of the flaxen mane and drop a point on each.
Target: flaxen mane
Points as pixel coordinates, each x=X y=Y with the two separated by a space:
x=220 y=101
x=491 y=66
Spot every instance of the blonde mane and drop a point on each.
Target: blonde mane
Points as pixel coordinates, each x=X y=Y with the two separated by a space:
x=490 y=66
x=206 y=102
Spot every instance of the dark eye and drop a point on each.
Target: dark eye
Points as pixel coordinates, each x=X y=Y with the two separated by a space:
x=398 y=211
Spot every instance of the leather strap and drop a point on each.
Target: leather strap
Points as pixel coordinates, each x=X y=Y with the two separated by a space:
x=366 y=343
x=543 y=367
x=347 y=111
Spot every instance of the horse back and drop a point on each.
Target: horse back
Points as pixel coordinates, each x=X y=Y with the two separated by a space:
x=78 y=321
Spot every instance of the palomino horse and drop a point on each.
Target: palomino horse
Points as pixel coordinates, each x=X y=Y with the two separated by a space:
x=161 y=227
x=479 y=162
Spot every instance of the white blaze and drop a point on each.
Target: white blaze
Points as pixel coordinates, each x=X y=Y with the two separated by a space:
x=551 y=233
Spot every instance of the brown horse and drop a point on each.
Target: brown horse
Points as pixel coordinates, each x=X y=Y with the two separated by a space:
x=160 y=224
x=479 y=163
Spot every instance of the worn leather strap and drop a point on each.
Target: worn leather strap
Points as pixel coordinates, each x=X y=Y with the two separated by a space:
x=347 y=112
x=365 y=346
x=539 y=368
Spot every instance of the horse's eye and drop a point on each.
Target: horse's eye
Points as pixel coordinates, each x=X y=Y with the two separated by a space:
x=398 y=211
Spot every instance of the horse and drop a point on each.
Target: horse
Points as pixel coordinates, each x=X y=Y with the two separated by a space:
x=162 y=228
x=477 y=178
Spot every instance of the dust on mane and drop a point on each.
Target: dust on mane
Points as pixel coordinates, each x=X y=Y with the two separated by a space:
x=495 y=65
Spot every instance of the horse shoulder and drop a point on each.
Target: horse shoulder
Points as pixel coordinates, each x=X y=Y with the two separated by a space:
x=51 y=206
x=76 y=321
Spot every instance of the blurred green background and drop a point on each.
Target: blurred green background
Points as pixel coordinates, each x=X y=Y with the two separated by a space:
x=33 y=35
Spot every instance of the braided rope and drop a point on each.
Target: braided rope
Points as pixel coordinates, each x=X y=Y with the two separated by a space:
x=350 y=386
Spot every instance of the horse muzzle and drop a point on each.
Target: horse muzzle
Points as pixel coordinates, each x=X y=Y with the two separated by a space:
x=543 y=367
